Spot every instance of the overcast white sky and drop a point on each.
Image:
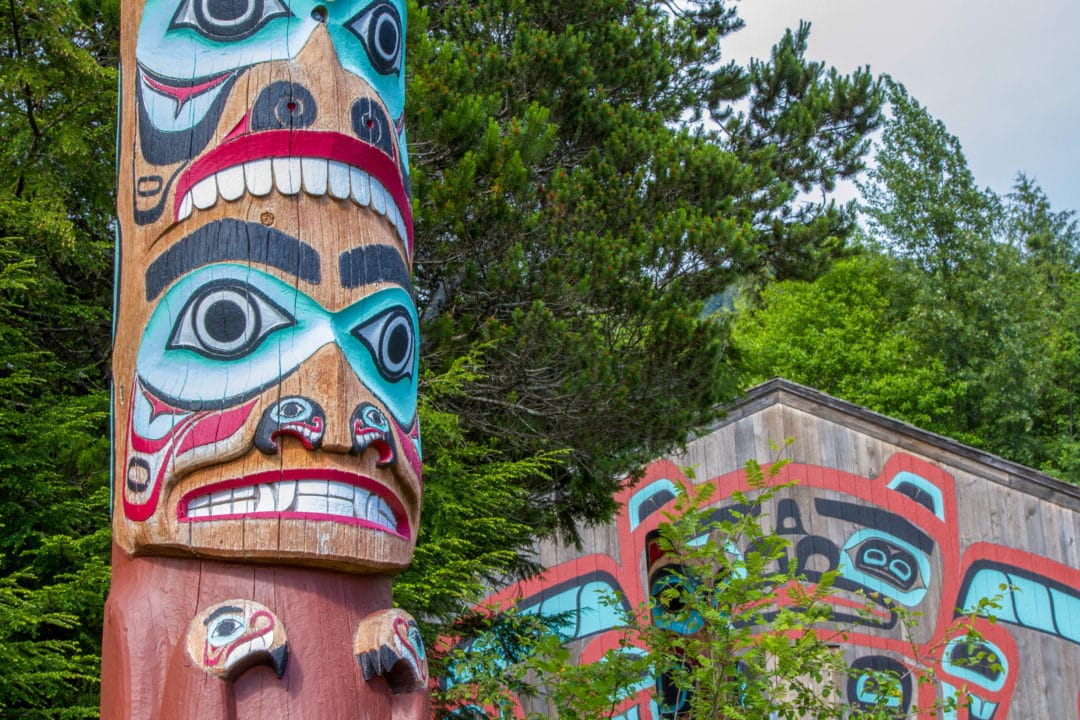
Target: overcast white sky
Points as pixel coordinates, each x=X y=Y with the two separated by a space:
x=1003 y=75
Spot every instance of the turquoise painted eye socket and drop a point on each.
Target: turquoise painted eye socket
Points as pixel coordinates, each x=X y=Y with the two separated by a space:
x=389 y=337
x=204 y=39
x=379 y=29
x=227 y=20
x=227 y=320
x=225 y=333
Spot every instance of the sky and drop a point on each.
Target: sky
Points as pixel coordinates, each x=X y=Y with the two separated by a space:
x=1003 y=75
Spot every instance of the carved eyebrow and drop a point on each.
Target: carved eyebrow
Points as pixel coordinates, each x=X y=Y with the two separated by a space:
x=875 y=518
x=231 y=239
x=369 y=264
x=224 y=609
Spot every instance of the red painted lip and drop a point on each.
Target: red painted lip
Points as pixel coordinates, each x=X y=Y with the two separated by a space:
x=300 y=143
x=402 y=530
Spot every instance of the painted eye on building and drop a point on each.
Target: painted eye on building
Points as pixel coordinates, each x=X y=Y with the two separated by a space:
x=227 y=20
x=888 y=562
x=227 y=320
x=390 y=338
x=379 y=29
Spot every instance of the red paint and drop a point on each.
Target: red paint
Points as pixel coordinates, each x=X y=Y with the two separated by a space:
x=183 y=94
x=146 y=672
x=214 y=427
x=408 y=448
x=213 y=655
x=635 y=553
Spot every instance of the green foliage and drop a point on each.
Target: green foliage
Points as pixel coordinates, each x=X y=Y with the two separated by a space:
x=475 y=512
x=954 y=317
x=57 y=107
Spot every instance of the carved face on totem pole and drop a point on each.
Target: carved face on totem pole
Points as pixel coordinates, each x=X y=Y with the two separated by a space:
x=266 y=344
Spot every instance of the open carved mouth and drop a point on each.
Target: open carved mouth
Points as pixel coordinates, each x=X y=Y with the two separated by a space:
x=299 y=494
x=317 y=162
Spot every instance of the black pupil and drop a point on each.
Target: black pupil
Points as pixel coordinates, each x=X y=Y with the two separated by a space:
x=397 y=345
x=227 y=10
x=386 y=35
x=292 y=410
x=226 y=627
x=226 y=321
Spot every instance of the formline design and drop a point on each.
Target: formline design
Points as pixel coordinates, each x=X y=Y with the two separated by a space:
x=267 y=472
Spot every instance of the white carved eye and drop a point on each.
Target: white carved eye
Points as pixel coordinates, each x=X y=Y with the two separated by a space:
x=227 y=20
x=379 y=29
x=227 y=320
x=390 y=338
x=224 y=629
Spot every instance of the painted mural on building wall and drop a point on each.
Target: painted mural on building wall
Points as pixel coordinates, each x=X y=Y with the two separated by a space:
x=265 y=366
x=894 y=537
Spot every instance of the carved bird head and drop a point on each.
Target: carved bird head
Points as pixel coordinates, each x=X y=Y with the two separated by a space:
x=229 y=637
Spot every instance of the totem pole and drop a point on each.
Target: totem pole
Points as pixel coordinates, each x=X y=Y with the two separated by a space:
x=266 y=444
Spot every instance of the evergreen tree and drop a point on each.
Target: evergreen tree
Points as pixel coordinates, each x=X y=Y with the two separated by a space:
x=575 y=211
x=57 y=107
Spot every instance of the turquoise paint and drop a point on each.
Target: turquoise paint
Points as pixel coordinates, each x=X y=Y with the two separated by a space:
x=926 y=486
x=654 y=488
x=909 y=598
x=182 y=375
x=179 y=51
x=588 y=607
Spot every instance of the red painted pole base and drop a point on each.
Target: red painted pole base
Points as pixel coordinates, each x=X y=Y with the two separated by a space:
x=188 y=638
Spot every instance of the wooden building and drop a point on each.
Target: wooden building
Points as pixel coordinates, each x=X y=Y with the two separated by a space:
x=929 y=523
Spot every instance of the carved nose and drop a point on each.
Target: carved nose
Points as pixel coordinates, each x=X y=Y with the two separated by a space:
x=337 y=413
x=283 y=105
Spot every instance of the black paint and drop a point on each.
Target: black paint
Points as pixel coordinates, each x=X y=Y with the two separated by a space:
x=236 y=240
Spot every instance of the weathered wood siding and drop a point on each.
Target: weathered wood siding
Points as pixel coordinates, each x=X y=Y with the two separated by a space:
x=929 y=523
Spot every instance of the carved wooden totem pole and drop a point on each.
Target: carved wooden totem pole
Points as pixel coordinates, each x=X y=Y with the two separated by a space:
x=267 y=453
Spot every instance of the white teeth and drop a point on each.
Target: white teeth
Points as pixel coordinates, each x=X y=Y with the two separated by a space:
x=378 y=198
x=311 y=504
x=243 y=507
x=259 y=176
x=286 y=495
x=287 y=175
x=361 y=188
x=394 y=216
x=204 y=194
x=267 y=496
x=336 y=506
x=312 y=487
x=316 y=176
x=342 y=491
x=338 y=180
x=305 y=496
x=230 y=182
x=185 y=207
x=313 y=171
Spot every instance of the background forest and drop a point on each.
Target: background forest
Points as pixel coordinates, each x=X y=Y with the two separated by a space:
x=618 y=231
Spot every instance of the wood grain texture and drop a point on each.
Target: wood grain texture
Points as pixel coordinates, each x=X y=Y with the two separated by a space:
x=267 y=470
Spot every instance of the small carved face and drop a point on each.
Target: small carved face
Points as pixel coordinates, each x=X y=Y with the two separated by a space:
x=266 y=351
x=229 y=637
